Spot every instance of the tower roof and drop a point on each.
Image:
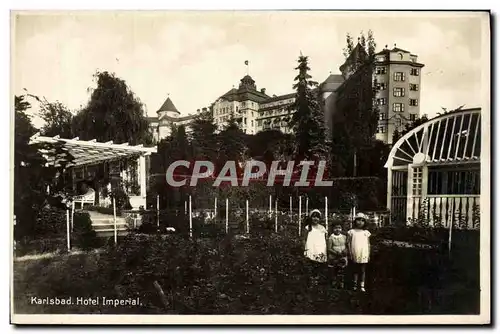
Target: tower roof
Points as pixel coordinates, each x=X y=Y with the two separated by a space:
x=168 y=105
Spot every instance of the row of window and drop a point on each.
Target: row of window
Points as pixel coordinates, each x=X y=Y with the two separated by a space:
x=383 y=86
x=383 y=101
x=398 y=76
x=383 y=116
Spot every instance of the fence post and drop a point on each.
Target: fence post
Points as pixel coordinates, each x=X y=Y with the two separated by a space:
x=449 y=238
x=248 y=224
x=158 y=211
x=185 y=208
x=190 y=218
x=291 y=210
x=276 y=215
x=215 y=209
x=114 y=221
x=72 y=216
x=300 y=215
x=270 y=205
x=326 y=213
x=307 y=205
x=68 y=230
x=227 y=215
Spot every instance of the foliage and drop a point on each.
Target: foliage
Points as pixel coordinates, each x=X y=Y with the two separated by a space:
x=356 y=118
x=50 y=222
x=31 y=175
x=112 y=113
x=408 y=127
x=307 y=119
x=84 y=236
x=203 y=137
x=58 y=119
x=121 y=199
x=231 y=143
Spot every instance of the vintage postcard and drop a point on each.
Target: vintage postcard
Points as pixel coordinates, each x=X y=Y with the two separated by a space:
x=250 y=167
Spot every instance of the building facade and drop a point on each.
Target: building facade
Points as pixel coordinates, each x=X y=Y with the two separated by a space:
x=398 y=79
x=168 y=117
x=396 y=74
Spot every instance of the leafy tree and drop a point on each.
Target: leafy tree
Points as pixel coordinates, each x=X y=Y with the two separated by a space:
x=58 y=119
x=32 y=175
x=349 y=46
x=355 y=122
x=371 y=44
x=203 y=137
x=113 y=113
x=307 y=119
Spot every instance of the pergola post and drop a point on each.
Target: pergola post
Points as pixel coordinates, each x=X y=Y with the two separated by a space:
x=142 y=175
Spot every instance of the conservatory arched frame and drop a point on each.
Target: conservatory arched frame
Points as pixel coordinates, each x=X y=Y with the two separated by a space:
x=434 y=171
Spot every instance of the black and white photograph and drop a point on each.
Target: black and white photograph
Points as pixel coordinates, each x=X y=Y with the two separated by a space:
x=250 y=167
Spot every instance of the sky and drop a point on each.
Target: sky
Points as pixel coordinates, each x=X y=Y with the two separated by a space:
x=195 y=57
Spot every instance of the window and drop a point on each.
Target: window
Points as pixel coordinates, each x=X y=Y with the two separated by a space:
x=413 y=117
x=382 y=101
x=252 y=113
x=414 y=87
x=417 y=181
x=381 y=70
x=381 y=86
x=251 y=123
x=398 y=107
x=399 y=91
x=414 y=71
x=413 y=102
x=381 y=116
x=398 y=122
x=259 y=122
x=381 y=129
x=380 y=59
x=399 y=76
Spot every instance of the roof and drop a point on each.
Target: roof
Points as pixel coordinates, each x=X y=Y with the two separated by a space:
x=87 y=152
x=168 y=105
x=278 y=98
x=395 y=49
x=357 y=52
x=331 y=83
x=452 y=138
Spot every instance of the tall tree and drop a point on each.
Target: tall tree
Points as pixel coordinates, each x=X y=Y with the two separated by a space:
x=362 y=40
x=349 y=46
x=31 y=175
x=58 y=119
x=113 y=113
x=371 y=44
x=203 y=137
x=307 y=119
x=408 y=127
x=232 y=142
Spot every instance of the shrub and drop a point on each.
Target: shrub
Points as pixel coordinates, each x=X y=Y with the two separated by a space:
x=122 y=201
x=83 y=234
x=50 y=222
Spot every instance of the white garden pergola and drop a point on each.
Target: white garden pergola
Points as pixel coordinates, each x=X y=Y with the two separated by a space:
x=91 y=152
x=434 y=171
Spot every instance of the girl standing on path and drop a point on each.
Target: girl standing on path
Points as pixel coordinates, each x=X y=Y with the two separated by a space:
x=337 y=254
x=315 y=248
x=358 y=248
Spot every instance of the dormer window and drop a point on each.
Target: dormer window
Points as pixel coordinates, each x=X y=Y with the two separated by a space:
x=401 y=56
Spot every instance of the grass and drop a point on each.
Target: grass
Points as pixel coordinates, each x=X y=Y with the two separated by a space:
x=262 y=275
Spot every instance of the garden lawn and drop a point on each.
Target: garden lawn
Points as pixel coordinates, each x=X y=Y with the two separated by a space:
x=265 y=274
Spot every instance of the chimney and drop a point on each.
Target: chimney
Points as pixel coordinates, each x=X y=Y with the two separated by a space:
x=263 y=90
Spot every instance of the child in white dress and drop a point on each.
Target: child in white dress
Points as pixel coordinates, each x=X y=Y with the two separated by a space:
x=315 y=248
x=358 y=248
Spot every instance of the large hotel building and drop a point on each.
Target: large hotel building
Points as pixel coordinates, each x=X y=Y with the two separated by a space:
x=397 y=75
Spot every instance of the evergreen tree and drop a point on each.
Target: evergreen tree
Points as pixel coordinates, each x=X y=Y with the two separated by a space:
x=113 y=113
x=307 y=119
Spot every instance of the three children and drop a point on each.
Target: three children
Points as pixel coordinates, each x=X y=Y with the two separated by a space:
x=340 y=249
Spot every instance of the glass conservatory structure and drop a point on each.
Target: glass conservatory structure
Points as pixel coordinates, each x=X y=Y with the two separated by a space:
x=434 y=171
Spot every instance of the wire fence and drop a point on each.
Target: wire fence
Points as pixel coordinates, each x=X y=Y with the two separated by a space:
x=222 y=218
